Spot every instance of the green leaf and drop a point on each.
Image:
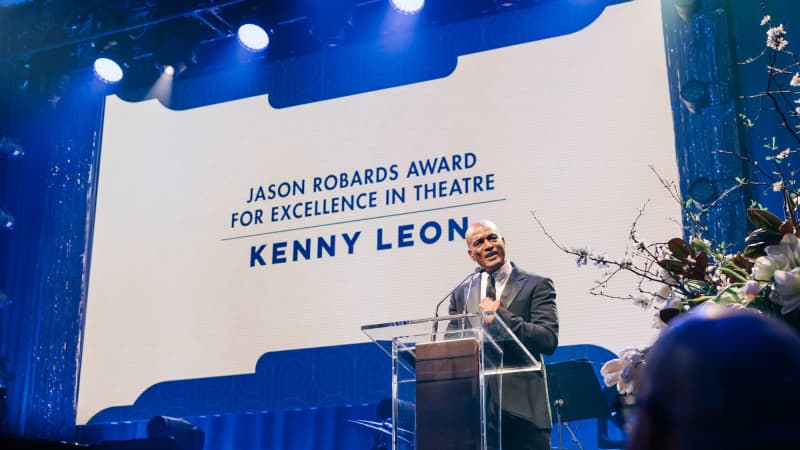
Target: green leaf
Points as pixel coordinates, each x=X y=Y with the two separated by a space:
x=754 y=251
x=672 y=265
x=699 y=287
x=699 y=244
x=680 y=249
x=762 y=236
x=762 y=218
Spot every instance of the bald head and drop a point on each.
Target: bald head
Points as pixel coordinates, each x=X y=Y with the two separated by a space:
x=485 y=245
x=478 y=225
x=721 y=378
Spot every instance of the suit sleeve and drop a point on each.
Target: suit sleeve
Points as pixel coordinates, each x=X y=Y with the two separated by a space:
x=540 y=332
x=452 y=310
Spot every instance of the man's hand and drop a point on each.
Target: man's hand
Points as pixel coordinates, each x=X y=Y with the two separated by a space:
x=489 y=304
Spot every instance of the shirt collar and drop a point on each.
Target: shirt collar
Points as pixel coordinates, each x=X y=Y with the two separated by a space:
x=502 y=273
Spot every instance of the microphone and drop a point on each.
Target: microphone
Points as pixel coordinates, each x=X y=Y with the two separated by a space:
x=449 y=294
x=478 y=270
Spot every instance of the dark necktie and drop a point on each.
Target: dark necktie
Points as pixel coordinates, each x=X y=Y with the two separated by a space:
x=490 y=289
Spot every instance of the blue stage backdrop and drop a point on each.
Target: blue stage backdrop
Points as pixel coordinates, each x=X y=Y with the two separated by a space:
x=311 y=399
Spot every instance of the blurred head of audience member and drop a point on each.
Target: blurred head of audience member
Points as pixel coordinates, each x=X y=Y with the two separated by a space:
x=720 y=378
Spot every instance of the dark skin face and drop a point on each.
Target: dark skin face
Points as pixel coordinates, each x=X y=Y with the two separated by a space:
x=486 y=247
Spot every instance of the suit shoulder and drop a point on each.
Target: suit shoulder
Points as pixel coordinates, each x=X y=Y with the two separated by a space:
x=535 y=277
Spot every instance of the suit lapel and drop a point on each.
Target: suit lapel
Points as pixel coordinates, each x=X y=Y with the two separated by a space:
x=515 y=282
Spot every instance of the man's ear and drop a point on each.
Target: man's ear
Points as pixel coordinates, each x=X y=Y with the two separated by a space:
x=469 y=252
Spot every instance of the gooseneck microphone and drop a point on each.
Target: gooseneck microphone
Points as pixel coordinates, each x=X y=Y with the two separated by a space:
x=449 y=294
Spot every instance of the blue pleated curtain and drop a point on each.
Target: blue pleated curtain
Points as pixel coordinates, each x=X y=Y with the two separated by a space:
x=45 y=259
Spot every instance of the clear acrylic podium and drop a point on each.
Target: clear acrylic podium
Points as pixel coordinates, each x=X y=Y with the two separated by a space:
x=446 y=379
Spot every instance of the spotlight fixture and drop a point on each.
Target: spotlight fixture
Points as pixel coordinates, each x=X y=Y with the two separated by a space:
x=408 y=6
x=252 y=37
x=168 y=70
x=108 y=62
x=108 y=70
x=176 y=55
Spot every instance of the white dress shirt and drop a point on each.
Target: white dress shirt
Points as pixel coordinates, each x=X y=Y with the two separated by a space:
x=501 y=275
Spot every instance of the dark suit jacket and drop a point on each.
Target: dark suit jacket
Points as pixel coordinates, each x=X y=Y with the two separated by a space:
x=530 y=312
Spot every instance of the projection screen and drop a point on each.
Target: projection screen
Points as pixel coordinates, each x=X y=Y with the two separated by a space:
x=232 y=230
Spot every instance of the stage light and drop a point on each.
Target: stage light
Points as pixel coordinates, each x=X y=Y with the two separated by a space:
x=408 y=6
x=186 y=435
x=253 y=37
x=7 y=221
x=108 y=70
x=176 y=55
x=108 y=58
x=168 y=70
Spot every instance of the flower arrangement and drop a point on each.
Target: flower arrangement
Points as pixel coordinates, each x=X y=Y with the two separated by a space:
x=621 y=372
x=678 y=275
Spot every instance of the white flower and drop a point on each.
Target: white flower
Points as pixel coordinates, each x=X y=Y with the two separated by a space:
x=750 y=290
x=622 y=371
x=787 y=289
x=765 y=20
x=764 y=268
x=600 y=261
x=631 y=354
x=775 y=38
x=785 y=154
x=676 y=301
x=795 y=80
x=783 y=256
x=611 y=371
x=788 y=248
x=582 y=255
x=777 y=186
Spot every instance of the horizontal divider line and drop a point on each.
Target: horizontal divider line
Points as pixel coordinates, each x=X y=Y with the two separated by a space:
x=361 y=220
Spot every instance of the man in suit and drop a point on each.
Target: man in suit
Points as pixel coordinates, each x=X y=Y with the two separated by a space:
x=526 y=303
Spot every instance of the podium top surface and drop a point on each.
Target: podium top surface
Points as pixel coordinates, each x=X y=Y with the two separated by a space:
x=399 y=339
